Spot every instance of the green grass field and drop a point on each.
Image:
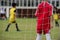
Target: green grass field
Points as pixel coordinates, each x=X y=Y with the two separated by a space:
x=28 y=30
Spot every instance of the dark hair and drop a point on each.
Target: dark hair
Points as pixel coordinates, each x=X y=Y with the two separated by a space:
x=13 y=4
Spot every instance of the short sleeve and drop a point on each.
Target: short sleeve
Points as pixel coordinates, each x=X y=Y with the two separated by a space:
x=14 y=10
x=50 y=10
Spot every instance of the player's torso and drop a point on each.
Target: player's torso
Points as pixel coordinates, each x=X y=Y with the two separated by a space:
x=44 y=10
x=12 y=13
x=55 y=16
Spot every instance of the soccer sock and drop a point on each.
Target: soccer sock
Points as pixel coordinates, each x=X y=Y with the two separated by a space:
x=39 y=37
x=17 y=27
x=8 y=27
x=48 y=37
x=57 y=24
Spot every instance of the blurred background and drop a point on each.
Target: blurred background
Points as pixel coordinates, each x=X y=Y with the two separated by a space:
x=25 y=8
x=25 y=19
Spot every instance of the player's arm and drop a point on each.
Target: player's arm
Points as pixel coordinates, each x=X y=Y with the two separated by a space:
x=37 y=11
x=51 y=21
x=51 y=16
x=15 y=12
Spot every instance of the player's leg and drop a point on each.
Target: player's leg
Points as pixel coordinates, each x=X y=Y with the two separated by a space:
x=39 y=36
x=10 y=21
x=8 y=27
x=48 y=36
x=56 y=21
x=3 y=16
x=47 y=33
x=16 y=26
x=39 y=33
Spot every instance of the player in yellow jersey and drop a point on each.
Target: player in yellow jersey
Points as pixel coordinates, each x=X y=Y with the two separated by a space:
x=55 y=16
x=12 y=17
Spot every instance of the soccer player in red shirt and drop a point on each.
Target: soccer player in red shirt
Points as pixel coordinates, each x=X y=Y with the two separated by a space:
x=43 y=13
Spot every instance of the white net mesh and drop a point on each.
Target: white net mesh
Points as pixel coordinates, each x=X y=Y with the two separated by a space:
x=27 y=25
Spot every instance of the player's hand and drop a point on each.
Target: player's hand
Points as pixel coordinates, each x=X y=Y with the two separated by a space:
x=51 y=26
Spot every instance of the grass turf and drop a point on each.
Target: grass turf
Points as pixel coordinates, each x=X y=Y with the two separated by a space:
x=28 y=30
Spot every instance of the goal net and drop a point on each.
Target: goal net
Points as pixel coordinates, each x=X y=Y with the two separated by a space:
x=27 y=24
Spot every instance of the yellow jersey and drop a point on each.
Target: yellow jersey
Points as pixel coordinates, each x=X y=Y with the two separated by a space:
x=55 y=16
x=12 y=14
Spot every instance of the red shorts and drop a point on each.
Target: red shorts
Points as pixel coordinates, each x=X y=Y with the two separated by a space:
x=43 y=28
